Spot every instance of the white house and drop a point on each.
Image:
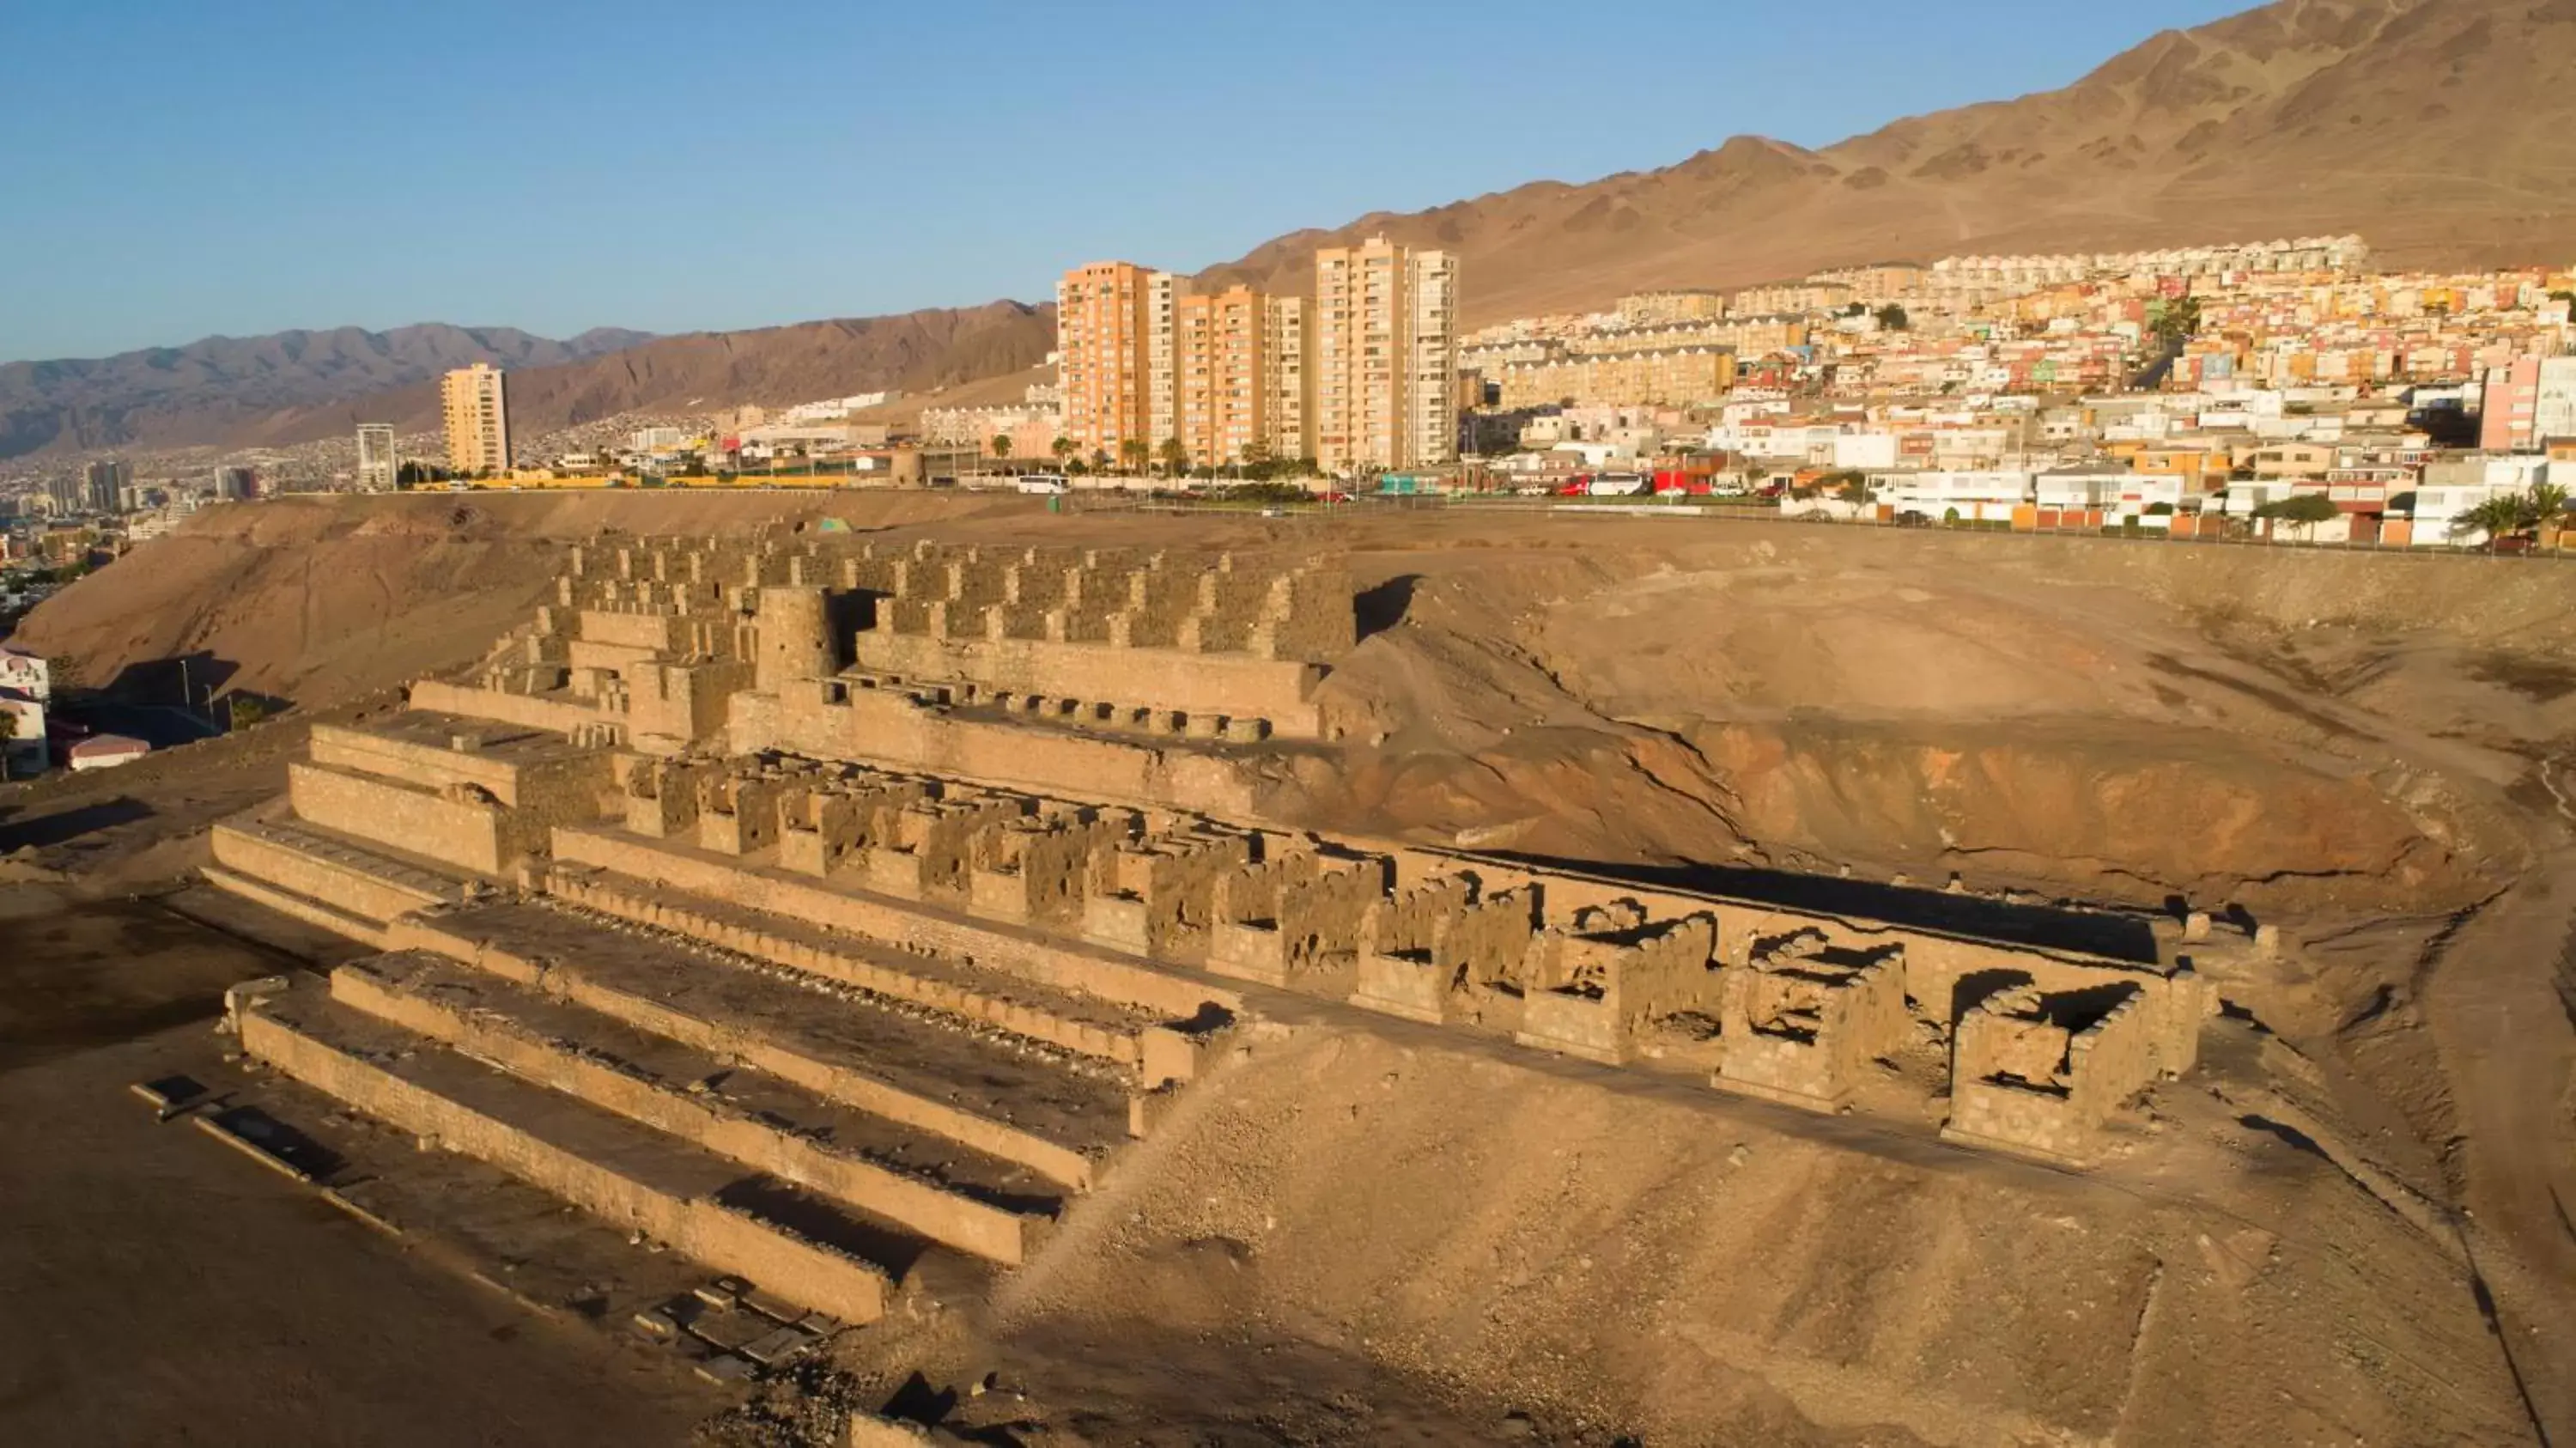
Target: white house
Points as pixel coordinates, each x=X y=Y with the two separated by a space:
x=1972 y=496
x=1865 y=451
x=2122 y=495
x=2438 y=506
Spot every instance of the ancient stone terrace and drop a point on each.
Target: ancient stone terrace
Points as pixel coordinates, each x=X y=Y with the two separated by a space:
x=803 y=911
x=1133 y=676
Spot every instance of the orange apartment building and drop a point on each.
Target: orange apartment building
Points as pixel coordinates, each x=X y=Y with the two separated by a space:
x=1142 y=358
x=1224 y=392
x=1103 y=318
x=1365 y=374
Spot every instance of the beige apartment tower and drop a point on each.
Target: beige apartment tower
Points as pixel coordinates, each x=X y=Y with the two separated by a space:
x=478 y=419
x=1385 y=357
x=1288 y=372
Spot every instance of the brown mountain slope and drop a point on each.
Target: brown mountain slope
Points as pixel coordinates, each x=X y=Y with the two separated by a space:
x=69 y=406
x=704 y=370
x=2435 y=128
x=164 y=395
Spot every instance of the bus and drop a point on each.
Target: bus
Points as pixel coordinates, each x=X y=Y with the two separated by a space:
x=1043 y=483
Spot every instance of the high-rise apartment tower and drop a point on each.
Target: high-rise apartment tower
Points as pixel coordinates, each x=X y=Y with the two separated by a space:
x=478 y=419
x=1385 y=356
x=378 y=467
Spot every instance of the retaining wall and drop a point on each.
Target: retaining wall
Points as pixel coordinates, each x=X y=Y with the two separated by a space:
x=706 y=1231
x=940 y=1215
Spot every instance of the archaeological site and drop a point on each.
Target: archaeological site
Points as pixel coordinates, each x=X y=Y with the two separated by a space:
x=976 y=979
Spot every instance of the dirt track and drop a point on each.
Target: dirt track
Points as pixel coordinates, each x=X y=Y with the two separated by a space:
x=2369 y=751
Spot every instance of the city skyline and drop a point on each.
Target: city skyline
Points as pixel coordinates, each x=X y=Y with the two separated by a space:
x=962 y=152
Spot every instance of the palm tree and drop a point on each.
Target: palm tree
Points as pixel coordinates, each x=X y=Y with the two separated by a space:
x=1063 y=448
x=1133 y=453
x=1001 y=445
x=2497 y=517
x=1176 y=458
x=2545 y=504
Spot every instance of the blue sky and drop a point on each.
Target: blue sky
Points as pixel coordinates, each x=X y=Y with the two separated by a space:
x=175 y=168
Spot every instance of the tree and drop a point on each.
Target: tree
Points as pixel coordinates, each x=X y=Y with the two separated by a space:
x=1132 y=453
x=2179 y=321
x=2497 y=517
x=2546 y=504
x=247 y=711
x=1001 y=445
x=1892 y=318
x=1063 y=448
x=1175 y=458
x=2301 y=508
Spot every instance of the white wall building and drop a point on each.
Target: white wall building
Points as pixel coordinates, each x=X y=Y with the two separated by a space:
x=1972 y=496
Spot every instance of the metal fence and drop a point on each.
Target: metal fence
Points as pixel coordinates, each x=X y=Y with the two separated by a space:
x=1770 y=513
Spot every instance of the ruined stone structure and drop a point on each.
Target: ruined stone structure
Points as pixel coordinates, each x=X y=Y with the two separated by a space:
x=752 y=889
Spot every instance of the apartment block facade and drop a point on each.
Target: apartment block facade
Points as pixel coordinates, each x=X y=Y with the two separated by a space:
x=1104 y=313
x=1385 y=356
x=476 y=406
x=1289 y=373
x=1226 y=375
x=378 y=467
x=1638 y=377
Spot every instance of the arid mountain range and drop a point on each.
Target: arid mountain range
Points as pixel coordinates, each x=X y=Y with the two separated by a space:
x=297 y=386
x=208 y=389
x=2435 y=128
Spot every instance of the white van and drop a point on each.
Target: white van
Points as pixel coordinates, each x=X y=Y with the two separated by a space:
x=1043 y=483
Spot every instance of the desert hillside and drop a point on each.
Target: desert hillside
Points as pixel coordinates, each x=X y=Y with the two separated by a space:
x=2428 y=126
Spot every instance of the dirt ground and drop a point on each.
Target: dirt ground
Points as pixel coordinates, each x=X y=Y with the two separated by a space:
x=2351 y=1226
x=166 y=1290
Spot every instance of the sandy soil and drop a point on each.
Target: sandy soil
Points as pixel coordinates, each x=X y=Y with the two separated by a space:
x=1358 y=1223
x=168 y=1291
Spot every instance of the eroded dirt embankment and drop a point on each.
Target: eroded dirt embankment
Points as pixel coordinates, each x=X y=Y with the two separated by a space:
x=311 y=601
x=1670 y=1264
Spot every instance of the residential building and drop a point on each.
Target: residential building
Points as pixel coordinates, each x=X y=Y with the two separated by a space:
x=1163 y=292
x=2507 y=418
x=1103 y=313
x=2553 y=414
x=105 y=484
x=1221 y=399
x=378 y=467
x=1810 y=296
x=1644 y=376
x=235 y=484
x=477 y=409
x=26 y=689
x=1656 y=309
x=1385 y=357
x=1288 y=371
x=66 y=495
